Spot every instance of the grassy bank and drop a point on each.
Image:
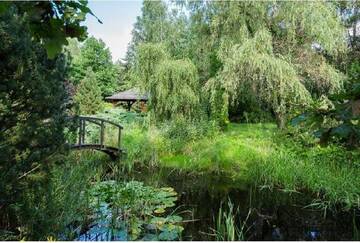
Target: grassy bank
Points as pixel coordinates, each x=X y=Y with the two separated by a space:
x=258 y=154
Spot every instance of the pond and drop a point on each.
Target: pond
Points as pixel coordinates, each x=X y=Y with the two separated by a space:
x=259 y=213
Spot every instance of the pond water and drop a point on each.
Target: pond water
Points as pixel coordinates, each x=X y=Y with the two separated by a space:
x=269 y=215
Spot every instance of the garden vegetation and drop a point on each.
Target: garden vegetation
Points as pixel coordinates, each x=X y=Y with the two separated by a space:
x=265 y=94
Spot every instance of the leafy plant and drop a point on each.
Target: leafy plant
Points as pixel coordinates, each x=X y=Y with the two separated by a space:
x=52 y=22
x=142 y=208
x=334 y=118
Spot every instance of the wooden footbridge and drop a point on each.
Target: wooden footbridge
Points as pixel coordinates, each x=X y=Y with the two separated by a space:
x=81 y=122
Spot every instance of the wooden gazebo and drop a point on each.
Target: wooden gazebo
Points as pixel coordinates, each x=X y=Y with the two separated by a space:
x=129 y=96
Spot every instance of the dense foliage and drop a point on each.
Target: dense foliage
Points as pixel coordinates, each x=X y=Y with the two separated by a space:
x=256 y=71
x=269 y=51
x=88 y=98
x=32 y=118
x=94 y=55
x=51 y=22
x=337 y=117
x=204 y=65
x=172 y=84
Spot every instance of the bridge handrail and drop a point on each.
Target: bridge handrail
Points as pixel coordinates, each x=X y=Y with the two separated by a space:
x=101 y=123
x=98 y=119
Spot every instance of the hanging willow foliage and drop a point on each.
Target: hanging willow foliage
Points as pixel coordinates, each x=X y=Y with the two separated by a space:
x=175 y=90
x=282 y=65
x=148 y=56
x=219 y=101
x=319 y=77
x=172 y=84
x=252 y=69
x=311 y=22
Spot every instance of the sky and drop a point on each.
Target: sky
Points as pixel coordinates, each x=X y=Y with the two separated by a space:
x=118 y=18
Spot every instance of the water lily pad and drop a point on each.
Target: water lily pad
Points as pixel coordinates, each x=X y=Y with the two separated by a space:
x=159 y=210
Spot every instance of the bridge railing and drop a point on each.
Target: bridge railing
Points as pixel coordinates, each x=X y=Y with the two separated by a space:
x=81 y=123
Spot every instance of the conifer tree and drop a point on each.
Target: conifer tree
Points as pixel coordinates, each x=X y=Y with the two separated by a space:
x=95 y=55
x=88 y=95
x=32 y=120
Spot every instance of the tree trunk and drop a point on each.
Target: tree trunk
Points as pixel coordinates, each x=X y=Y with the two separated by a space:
x=280 y=120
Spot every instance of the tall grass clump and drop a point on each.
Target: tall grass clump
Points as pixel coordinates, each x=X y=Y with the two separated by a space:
x=330 y=173
x=59 y=212
x=228 y=224
x=70 y=183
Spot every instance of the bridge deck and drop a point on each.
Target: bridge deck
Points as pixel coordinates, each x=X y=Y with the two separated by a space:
x=113 y=152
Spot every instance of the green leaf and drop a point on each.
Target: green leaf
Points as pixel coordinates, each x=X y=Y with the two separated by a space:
x=54 y=46
x=159 y=210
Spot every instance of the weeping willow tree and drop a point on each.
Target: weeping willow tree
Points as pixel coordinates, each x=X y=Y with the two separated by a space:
x=172 y=84
x=148 y=56
x=252 y=69
x=175 y=90
x=278 y=52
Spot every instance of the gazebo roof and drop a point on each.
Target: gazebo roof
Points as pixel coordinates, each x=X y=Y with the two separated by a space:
x=129 y=95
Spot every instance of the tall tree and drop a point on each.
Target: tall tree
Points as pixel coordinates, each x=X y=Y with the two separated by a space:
x=172 y=84
x=95 y=55
x=88 y=95
x=290 y=47
x=32 y=119
x=151 y=26
x=298 y=41
x=32 y=108
x=252 y=69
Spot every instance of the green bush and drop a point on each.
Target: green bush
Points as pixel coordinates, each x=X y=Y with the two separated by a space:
x=180 y=131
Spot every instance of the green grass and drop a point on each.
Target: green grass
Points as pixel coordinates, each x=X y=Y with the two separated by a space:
x=71 y=178
x=258 y=154
x=230 y=152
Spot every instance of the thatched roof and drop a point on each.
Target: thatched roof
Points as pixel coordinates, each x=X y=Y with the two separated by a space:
x=128 y=95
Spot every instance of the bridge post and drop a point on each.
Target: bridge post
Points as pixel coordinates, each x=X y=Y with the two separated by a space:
x=102 y=128
x=83 y=131
x=119 y=139
x=80 y=132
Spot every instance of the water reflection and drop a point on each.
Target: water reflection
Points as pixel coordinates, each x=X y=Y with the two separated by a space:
x=275 y=215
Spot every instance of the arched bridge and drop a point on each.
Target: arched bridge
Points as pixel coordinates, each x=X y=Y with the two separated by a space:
x=81 y=123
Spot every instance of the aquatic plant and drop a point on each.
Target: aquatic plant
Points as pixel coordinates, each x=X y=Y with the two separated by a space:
x=228 y=224
x=138 y=210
